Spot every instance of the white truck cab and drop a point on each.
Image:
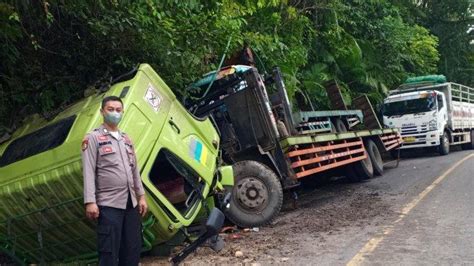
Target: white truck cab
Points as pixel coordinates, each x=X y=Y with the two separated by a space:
x=431 y=114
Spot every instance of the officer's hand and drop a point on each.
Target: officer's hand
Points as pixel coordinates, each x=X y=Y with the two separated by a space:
x=92 y=211
x=142 y=206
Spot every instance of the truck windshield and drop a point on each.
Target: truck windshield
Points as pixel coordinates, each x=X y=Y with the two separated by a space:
x=410 y=106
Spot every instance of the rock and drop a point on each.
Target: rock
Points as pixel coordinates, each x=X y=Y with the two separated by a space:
x=239 y=253
x=285 y=259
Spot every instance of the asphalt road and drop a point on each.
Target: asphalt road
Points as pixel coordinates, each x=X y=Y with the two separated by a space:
x=437 y=226
x=421 y=213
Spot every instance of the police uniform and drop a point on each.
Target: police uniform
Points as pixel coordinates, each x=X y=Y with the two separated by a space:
x=112 y=181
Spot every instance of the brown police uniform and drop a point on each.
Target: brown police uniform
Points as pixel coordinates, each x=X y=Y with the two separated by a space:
x=112 y=181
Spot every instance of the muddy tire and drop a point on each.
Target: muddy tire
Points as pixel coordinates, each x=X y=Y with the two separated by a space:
x=333 y=127
x=444 y=144
x=360 y=170
x=340 y=126
x=375 y=157
x=257 y=195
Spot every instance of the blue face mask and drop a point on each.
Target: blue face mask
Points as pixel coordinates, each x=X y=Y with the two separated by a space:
x=112 y=118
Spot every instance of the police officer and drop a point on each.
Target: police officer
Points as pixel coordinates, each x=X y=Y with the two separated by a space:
x=113 y=191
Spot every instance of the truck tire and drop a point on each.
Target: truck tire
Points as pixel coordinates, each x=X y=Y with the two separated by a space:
x=360 y=170
x=340 y=126
x=469 y=145
x=257 y=195
x=444 y=144
x=375 y=157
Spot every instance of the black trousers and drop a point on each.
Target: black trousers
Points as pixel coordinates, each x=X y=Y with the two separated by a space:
x=119 y=235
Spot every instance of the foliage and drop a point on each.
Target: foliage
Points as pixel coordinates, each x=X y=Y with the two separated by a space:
x=453 y=23
x=52 y=51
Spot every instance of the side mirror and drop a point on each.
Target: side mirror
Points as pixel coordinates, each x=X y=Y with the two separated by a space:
x=215 y=221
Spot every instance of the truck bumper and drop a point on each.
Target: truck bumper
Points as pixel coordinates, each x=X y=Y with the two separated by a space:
x=226 y=176
x=428 y=139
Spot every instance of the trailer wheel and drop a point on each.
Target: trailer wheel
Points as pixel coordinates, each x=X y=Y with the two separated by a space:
x=257 y=195
x=360 y=170
x=375 y=157
x=444 y=144
x=340 y=126
x=469 y=145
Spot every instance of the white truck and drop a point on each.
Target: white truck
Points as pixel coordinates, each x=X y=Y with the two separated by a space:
x=431 y=112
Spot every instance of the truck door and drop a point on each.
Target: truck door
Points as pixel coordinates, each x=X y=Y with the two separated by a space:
x=442 y=115
x=182 y=171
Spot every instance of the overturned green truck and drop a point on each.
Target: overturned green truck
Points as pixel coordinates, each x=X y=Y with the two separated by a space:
x=42 y=214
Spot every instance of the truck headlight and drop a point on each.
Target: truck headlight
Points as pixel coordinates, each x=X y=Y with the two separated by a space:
x=432 y=125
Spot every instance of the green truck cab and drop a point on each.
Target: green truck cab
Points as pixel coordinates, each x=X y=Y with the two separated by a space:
x=41 y=187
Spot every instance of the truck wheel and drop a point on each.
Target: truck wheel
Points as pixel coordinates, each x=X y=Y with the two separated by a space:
x=333 y=127
x=375 y=157
x=340 y=126
x=360 y=170
x=469 y=145
x=257 y=195
x=444 y=144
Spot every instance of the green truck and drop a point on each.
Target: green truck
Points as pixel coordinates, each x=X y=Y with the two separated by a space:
x=42 y=216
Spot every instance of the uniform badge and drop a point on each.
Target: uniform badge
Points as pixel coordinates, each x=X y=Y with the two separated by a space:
x=107 y=149
x=103 y=138
x=85 y=144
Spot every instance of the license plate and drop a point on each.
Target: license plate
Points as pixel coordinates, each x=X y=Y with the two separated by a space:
x=409 y=139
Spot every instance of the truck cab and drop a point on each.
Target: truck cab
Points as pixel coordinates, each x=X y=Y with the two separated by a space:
x=420 y=115
x=42 y=215
x=431 y=112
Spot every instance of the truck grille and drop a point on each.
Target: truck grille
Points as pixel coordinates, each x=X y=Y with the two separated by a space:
x=410 y=130
x=414 y=135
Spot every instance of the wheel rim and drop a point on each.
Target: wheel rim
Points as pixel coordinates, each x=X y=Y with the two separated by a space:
x=251 y=194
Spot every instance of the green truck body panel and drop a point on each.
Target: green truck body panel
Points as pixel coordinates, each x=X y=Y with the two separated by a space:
x=42 y=213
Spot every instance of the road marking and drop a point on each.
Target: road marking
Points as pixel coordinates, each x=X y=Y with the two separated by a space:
x=370 y=246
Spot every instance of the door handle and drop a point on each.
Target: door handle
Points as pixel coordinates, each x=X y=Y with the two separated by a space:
x=173 y=125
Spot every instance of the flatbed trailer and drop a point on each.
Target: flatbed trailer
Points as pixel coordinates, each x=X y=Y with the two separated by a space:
x=271 y=147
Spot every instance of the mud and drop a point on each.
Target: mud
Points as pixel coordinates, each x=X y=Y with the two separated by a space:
x=320 y=212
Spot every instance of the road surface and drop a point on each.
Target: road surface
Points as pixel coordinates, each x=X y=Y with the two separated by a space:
x=421 y=213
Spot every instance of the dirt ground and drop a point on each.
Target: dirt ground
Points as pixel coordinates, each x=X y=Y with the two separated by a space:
x=321 y=211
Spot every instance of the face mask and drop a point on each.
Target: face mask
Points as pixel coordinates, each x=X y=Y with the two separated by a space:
x=112 y=118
